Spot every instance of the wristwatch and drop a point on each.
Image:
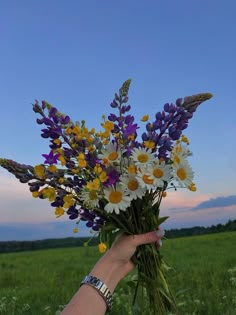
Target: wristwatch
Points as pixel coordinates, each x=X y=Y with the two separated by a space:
x=101 y=288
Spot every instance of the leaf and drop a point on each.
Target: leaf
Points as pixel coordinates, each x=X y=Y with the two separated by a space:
x=161 y=220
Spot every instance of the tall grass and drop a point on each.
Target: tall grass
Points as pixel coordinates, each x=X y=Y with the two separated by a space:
x=203 y=279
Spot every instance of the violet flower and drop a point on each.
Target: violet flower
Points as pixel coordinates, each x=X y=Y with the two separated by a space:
x=51 y=158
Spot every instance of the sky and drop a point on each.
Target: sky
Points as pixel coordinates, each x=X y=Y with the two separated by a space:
x=76 y=55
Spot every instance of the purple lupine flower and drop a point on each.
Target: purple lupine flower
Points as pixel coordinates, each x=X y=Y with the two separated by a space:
x=112 y=117
x=125 y=108
x=73 y=212
x=64 y=120
x=130 y=130
x=51 y=158
x=52 y=112
x=58 y=202
x=48 y=122
x=52 y=133
x=129 y=119
x=114 y=104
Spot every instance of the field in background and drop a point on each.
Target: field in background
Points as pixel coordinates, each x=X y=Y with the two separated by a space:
x=204 y=279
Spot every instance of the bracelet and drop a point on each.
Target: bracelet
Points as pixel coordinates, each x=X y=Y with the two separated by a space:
x=101 y=288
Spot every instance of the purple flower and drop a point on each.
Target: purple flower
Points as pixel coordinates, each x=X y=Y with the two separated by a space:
x=130 y=130
x=113 y=177
x=112 y=117
x=73 y=213
x=51 y=158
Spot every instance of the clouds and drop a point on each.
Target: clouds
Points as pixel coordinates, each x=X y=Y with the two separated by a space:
x=217 y=203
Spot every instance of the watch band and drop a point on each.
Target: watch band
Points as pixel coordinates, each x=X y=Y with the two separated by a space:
x=101 y=288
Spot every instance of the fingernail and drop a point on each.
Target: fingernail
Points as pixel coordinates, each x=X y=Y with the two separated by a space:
x=159 y=243
x=160 y=233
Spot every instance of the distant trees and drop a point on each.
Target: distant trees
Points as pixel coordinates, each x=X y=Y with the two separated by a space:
x=16 y=246
x=199 y=230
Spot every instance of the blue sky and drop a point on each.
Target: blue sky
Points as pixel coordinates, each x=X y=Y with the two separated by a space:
x=76 y=54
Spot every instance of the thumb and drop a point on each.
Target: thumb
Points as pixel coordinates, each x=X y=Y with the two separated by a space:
x=147 y=238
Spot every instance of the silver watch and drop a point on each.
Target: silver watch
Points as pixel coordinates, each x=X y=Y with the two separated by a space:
x=101 y=288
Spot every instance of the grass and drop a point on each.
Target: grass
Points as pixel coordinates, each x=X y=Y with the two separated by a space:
x=203 y=279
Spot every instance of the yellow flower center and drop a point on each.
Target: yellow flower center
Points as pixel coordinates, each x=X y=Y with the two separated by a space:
x=158 y=173
x=133 y=185
x=181 y=173
x=115 y=197
x=113 y=156
x=142 y=158
x=147 y=180
x=92 y=195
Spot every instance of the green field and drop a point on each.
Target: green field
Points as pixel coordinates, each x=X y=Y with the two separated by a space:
x=204 y=279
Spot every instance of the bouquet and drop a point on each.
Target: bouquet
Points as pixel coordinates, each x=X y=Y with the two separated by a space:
x=114 y=179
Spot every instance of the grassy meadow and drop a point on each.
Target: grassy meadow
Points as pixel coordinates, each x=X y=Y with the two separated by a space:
x=203 y=279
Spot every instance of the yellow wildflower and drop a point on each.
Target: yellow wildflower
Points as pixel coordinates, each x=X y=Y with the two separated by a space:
x=75 y=230
x=149 y=144
x=61 y=180
x=103 y=176
x=57 y=141
x=97 y=169
x=76 y=130
x=102 y=247
x=59 y=212
x=68 y=130
x=62 y=160
x=52 y=168
x=93 y=185
x=82 y=163
x=192 y=187
x=35 y=194
x=91 y=148
x=49 y=193
x=68 y=201
x=108 y=125
x=145 y=118
x=39 y=171
x=184 y=139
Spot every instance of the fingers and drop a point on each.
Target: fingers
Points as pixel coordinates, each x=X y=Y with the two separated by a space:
x=150 y=237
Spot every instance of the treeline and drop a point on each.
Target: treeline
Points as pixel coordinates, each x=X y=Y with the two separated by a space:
x=16 y=246
x=200 y=230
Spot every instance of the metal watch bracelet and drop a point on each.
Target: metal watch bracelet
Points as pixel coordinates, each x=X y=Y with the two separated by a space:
x=101 y=288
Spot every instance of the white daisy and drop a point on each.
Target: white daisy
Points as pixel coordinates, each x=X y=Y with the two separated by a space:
x=160 y=172
x=117 y=199
x=142 y=157
x=179 y=152
x=110 y=154
x=144 y=178
x=132 y=186
x=183 y=173
x=90 y=198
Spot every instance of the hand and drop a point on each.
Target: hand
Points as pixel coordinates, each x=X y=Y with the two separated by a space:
x=117 y=263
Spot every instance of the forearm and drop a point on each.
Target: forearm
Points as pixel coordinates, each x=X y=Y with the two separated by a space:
x=87 y=301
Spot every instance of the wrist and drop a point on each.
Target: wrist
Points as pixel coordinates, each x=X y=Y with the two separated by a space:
x=109 y=271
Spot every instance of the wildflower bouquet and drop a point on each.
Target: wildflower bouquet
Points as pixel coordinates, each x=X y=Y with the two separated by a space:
x=114 y=180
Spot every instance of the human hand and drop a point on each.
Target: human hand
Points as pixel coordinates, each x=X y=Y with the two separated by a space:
x=117 y=262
